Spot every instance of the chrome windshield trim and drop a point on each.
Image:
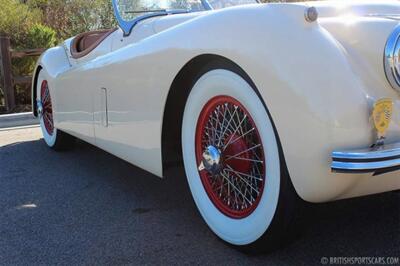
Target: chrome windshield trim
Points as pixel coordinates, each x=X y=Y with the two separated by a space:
x=376 y=160
x=206 y=5
x=385 y=16
x=127 y=26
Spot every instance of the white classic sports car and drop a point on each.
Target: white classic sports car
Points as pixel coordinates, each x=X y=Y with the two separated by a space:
x=263 y=104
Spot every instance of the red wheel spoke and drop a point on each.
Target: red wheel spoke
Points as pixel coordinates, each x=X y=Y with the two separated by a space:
x=47 y=104
x=238 y=138
x=223 y=128
x=49 y=119
x=245 y=159
x=242 y=177
x=236 y=130
x=240 y=153
x=46 y=95
x=230 y=169
x=236 y=189
x=47 y=114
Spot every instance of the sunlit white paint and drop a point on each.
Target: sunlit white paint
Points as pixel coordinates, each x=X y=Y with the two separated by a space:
x=318 y=80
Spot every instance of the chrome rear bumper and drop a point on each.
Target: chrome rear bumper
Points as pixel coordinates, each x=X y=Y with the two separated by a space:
x=377 y=160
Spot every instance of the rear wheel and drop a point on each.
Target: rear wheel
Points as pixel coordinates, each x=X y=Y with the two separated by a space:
x=234 y=164
x=53 y=137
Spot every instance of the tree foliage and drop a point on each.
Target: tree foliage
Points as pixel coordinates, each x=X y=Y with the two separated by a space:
x=41 y=36
x=38 y=36
x=44 y=23
x=16 y=19
x=26 y=21
x=70 y=17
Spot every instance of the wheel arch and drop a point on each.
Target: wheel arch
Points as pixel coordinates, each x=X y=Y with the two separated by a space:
x=171 y=146
x=54 y=61
x=34 y=89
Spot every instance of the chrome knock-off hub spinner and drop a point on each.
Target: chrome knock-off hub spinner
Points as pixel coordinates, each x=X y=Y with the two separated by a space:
x=39 y=106
x=211 y=161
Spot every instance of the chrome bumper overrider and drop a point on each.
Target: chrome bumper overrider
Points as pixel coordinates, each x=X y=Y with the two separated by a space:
x=377 y=160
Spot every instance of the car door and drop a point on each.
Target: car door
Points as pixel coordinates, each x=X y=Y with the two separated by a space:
x=126 y=112
x=74 y=101
x=75 y=91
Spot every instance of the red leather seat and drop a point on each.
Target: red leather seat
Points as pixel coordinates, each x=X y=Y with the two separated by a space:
x=86 y=42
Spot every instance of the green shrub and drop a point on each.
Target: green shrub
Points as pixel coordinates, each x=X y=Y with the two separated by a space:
x=41 y=36
x=71 y=17
x=16 y=18
x=38 y=36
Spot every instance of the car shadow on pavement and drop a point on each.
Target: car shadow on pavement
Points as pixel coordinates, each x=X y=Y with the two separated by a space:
x=86 y=206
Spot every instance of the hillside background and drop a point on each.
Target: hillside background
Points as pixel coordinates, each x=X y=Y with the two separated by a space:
x=45 y=23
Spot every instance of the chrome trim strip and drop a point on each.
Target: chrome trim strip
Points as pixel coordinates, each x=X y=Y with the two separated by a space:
x=380 y=152
x=370 y=166
x=392 y=59
x=374 y=160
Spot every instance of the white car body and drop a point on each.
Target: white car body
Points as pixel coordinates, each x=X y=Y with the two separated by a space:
x=318 y=79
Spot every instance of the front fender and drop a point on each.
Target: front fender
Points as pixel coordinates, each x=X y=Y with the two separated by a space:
x=54 y=61
x=318 y=101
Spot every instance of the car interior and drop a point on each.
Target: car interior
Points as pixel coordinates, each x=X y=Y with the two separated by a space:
x=86 y=42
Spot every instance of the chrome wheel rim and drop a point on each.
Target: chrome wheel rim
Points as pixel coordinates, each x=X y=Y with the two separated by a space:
x=230 y=156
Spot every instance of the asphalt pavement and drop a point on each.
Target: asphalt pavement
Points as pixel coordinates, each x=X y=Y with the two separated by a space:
x=87 y=207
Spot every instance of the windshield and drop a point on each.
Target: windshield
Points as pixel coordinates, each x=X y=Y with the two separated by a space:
x=129 y=9
x=218 y=4
x=129 y=12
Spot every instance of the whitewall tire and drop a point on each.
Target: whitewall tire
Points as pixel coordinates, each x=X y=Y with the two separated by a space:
x=236 y=189
x=53 y=137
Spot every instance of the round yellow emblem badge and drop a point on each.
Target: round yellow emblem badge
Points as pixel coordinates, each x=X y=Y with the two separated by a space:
x=382 y=116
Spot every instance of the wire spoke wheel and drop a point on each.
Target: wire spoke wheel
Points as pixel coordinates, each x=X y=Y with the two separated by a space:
x=227 y=137
x=47 y=109
x=230 y=156
x=54 y=138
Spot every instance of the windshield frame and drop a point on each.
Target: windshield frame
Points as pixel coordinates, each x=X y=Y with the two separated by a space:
x=127 y=26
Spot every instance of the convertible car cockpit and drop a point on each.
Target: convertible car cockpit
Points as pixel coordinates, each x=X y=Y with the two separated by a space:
x=86 y=42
